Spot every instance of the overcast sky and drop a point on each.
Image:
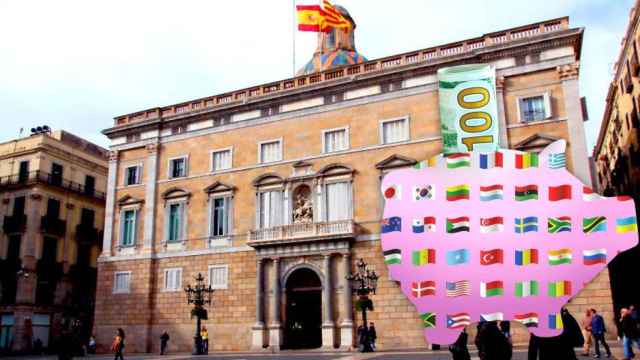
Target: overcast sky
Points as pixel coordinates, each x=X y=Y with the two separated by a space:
x=77 y=64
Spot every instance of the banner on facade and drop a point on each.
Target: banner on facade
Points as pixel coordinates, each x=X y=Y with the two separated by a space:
x=468 y=108
x=498 y=235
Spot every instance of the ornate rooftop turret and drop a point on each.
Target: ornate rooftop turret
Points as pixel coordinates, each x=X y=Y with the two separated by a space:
x=335 y=48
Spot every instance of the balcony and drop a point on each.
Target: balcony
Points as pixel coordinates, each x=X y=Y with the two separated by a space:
x=53 y=226
x=14 y=224
x=87 y=233
x=303 y=232
x=41 y=177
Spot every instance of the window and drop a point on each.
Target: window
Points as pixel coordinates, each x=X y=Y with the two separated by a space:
x=121 y=282
x=18 y=206
x=55 y=178
x=128 y=227
x=221 y=159
x=87 y=217
x=132 y=175
x=53 y=209
x=271 y=209
x=335 y=140
x=220 y=216
x=218 y=276
x=41 y=325
x=338 y=205
x=89 y=185
x=396 y=130
x=6 y=330
x=175 y=221
x=535 y=108
x=23 y=173
x=270 y=151
x=173 y=279
x=178 y=167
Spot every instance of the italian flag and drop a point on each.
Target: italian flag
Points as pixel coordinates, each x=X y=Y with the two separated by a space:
x=492 y=288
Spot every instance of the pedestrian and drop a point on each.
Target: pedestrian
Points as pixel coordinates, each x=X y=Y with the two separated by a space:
x=505 y=327
x=204 y=335
x=630 y=333
x=164 y=339
x=118 y=344
x=362 y=338
x=91 y=348
x=491 y=343
x=372 y=336
x=633 y=311
x=459 y=349
x=586 y=331
x=597 y=330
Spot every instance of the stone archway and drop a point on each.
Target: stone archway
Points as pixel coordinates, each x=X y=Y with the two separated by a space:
x=303 y=309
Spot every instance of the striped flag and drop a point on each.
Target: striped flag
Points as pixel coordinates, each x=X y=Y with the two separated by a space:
x=526 y=160
x=428 y=319
x=557 y=161
x=526 y=192
x=491 y=192
x=560 y=192
x=458 y=288
x=526 y=257
x=458 y=160
x=459 y=192
x=559 y=224
x=333 y=18
x=457 y=257
x=492 y=224
x=559 y=288
x=423 y=288
x=527 y=288
x=458 y=321
x=594 y=224
x=555 y=321
x=496 y=316
x=491 y=160
x=625 y=225
x=526 y=224
x=458 y=224
x=423 y=257
x=589 y=195
x=527 y=319
x=392 y=256
x=492 y=288
x=560 y=256
x=594 y=256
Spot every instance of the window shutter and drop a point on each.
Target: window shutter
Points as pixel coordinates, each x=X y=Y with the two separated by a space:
x=547 y=105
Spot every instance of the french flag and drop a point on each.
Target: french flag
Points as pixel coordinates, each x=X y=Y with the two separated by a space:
x=491 y=160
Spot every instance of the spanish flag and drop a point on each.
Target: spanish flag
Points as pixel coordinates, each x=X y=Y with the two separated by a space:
x=311 y=18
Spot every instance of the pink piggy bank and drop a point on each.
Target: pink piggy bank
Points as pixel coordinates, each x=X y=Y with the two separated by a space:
x=498 y=236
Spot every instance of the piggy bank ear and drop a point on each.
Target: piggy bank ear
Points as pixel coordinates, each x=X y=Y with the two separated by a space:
x=553 y=156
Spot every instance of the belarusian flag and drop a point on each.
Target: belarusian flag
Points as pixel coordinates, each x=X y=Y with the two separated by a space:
x=492 y=288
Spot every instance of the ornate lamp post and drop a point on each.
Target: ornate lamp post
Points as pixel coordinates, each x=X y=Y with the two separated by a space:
x=364 y=282
x=199 y=295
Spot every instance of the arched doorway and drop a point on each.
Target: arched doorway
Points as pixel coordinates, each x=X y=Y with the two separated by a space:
x=303 y=314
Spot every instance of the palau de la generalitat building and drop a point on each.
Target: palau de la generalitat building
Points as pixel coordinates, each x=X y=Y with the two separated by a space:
x=273 y=192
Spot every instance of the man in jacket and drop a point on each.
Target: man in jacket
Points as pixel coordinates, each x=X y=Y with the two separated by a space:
x=630 y=333
x=598 y=330
x=586 y=332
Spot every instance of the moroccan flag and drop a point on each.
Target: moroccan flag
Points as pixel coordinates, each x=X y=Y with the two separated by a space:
x=594 y=224
x=492 y=288
x=311 y=18
x=561 y=192
x=594 y=256
x=492 y=224
x=423 y=288
x=458 y=224
x=559 y=224
x=490 y=257
x=423 y=257
x=555 y=321
x=392 y=256
x=559 y=288
x=491 y=160
x=526 y=192
x=526 y=257
x=527 y=288
x=528 y=319
x=458 y=160
x=491 y=192
x=560 y=256
x=460 y=192
x=625 y=225
x=526 y=160
x=428 y=319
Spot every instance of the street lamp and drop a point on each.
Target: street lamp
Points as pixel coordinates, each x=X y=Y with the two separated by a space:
x=364 y=282
x=199 y=295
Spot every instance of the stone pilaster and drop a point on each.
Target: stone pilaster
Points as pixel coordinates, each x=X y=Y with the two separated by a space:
x=328 y=329
x=150 y=195
x=503 y=140
x=577 y=143
x=258 y=329
x=346 y=326
x=110 y=204
x=275 y=327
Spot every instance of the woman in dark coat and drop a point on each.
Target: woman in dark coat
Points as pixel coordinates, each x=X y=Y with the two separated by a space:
x=491 y=343
x=459 y=349
x=558 y=347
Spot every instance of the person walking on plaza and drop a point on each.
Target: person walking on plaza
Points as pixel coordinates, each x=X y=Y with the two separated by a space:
x=372 y=336
x=204 y=334
x=630 y=333
x=491 y=343
x=459 y=349
x=164 y=339
x=586 y=332
x=557 y=347
x=118 y=344
x=598 y=329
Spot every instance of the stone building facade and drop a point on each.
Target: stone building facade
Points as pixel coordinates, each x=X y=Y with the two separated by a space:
x=272 y=192
x=617 y=151
x=52 y=194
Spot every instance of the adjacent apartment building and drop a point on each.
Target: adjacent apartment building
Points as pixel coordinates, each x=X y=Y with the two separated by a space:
x=617 y=151
x=272 y=192
x=52 y=195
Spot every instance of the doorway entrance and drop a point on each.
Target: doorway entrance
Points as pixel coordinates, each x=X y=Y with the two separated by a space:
x=303 y=313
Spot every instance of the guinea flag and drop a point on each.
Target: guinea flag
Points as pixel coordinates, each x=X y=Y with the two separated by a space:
x=559 y=288
x=492 y=288
x=423 y=257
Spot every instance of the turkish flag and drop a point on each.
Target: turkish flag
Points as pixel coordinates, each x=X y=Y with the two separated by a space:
x=490 y=257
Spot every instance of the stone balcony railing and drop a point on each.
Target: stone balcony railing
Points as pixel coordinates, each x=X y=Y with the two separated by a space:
x=432 y=54
x=302 y=232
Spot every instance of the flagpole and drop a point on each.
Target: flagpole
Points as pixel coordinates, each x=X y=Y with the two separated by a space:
x=293 y=38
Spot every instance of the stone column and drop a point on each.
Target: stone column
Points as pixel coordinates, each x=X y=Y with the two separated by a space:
x=150 y=195
x=275 y=328
x=503 y=140
x=110 y=204
x=577 y=143
x=257 y=339
x=346 y=326
x=328 y=337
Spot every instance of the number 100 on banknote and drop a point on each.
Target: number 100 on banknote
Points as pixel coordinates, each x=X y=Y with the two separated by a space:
x=468 y=108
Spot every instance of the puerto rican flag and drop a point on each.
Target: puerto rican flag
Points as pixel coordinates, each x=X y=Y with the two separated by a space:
x=423 y=288
x=458 y=321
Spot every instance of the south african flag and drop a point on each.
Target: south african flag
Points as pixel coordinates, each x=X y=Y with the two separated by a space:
x=559 y=224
